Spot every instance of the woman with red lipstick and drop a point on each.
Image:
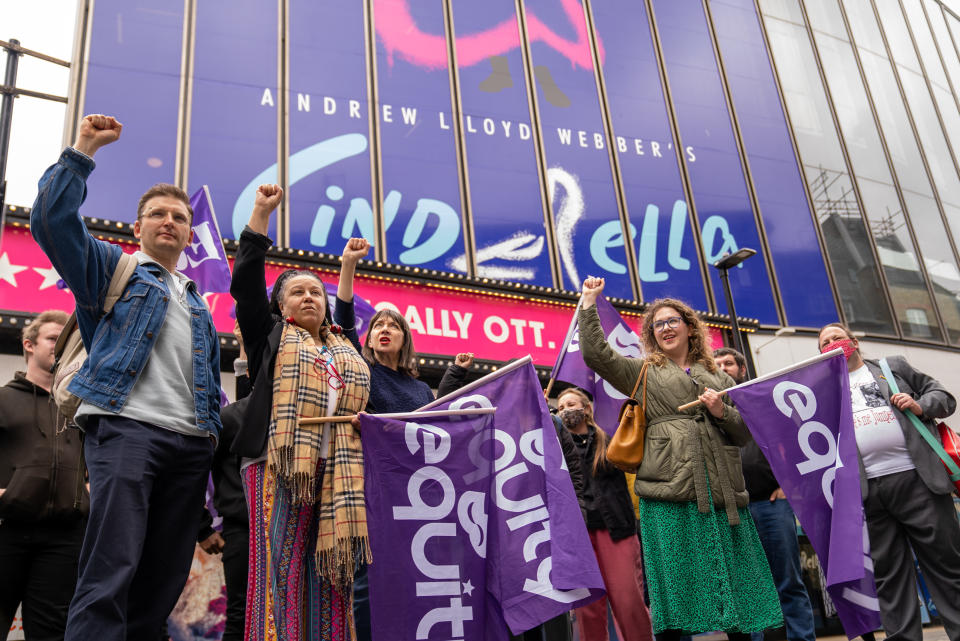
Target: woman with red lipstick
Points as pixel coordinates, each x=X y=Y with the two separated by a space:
x=302 y=556
x=394 y=386
x=906 y=489
x=705 y=567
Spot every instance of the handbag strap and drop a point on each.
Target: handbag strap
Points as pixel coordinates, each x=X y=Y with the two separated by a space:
x=643 y=402
x=931 y=440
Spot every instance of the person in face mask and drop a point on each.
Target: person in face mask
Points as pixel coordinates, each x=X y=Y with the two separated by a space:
x=906 y=489
x=612 y=528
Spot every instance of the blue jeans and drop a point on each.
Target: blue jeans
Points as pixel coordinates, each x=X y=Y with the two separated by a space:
x=777 y=528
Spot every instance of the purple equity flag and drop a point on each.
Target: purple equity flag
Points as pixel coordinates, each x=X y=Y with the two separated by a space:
x=475 y=515
x=538 y=530
x=204 y=260
x=802 y=420
x=571 y=368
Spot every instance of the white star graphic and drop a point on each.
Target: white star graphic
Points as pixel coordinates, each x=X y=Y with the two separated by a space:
x=468 y=588
x=8 y=272
x=50 y=276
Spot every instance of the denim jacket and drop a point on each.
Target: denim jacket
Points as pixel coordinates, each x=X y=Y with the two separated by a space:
x=119 y=343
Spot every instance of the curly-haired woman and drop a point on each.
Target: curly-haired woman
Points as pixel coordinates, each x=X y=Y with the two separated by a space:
x=705 y=567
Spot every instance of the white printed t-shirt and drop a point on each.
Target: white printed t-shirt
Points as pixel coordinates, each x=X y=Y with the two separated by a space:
x=879 y=435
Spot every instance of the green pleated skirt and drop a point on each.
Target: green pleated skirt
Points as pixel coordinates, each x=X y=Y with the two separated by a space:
x=704 y=574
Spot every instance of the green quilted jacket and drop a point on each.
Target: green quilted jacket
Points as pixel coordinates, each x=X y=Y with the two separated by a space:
x=683 y=450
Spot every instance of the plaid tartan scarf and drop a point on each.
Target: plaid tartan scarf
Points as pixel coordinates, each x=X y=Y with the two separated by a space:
x=301 y=390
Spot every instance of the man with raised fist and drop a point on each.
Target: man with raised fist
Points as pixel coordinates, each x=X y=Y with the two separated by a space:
x=150 y=397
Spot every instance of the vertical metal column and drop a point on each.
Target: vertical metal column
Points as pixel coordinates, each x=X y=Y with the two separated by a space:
x=6 y=117
x=456 y=111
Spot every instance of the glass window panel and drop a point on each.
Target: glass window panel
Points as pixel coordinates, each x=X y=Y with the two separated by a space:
x=925 y=43
x=908 y=64
x=917 y=321
x=935 y=72
x=329 y=196
x=878 y=69
x=907 y=286
x=667 y=258
x=726 y=216
x=505 y=195
x=134 y=75
x=589 y=236
x=825 y=16
x=953 y=24
x=421 y=186
x=844 y=233
x=233 y=127
x=852 y=108
x=805 y=288
x=952 y=5
x=863 y=25
x=787 y=10
x=898 y=37
x=945 y=43
x=917 y=191
x=938 y=258
x=884 y=213
x=894 y=121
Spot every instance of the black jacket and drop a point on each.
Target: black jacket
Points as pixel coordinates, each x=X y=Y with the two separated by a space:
x=572 y=459
x=605 y=493
x=935 y=401
x=41 y=462
x=228 y=497
x=261 y=330
x=761 y=482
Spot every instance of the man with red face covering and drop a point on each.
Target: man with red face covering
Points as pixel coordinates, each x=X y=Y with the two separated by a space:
x=906 y=489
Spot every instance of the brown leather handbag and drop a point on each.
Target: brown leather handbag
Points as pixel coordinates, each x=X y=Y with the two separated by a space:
x=625 y=449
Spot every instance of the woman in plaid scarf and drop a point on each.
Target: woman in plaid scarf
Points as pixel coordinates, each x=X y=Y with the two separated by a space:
x=303 y=483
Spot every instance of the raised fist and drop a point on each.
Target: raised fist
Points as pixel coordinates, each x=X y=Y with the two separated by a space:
x=96 y=131
x=267 y=198
x=464 y=360
x=592 y=287
x=355 y=249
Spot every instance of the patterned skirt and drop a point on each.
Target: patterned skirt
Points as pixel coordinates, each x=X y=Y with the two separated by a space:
x=704 y=574
x=287 y=600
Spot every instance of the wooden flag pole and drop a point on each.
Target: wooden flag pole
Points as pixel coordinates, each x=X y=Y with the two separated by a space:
x=320 y=420
x=546 y=392
x=780 y=372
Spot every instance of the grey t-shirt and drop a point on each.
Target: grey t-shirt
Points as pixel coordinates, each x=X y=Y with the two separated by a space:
x=163 y=395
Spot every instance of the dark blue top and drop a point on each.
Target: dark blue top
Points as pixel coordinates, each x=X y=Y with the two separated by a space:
x=390 y=390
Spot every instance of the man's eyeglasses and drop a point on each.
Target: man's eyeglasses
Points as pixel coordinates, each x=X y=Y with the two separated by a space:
x=160 y=215
x=325 y=360
x=673 y=322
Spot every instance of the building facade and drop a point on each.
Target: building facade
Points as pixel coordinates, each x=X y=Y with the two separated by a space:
x=511 y=148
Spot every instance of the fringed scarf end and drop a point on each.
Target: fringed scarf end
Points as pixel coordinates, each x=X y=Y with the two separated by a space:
x=339 y=563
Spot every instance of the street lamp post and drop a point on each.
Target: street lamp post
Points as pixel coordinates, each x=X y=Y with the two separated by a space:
x=724 y=265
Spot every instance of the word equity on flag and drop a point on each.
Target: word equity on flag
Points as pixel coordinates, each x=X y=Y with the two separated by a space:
x=204 y=260
x=801 y=418
x=474 y=515
x=570 y=367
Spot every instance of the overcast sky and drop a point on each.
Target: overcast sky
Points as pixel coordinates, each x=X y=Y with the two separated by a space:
x=46 y=26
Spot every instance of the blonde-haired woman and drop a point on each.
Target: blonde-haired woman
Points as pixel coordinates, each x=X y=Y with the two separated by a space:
x=705 y=567
x=611 y=525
